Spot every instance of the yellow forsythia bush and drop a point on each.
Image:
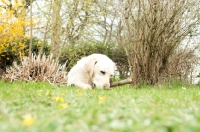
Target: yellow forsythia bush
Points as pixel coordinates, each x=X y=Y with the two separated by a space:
x=11 y=36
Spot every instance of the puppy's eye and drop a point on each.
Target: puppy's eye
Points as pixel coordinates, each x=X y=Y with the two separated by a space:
x=103 y=72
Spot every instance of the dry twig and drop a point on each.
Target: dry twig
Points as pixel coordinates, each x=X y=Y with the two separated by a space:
x=122 y=82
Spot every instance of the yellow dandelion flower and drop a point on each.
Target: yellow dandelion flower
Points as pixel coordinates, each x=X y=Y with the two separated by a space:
x=80 y=91
x=47 y=93
x=80 y=94
x=102 y=99
x=77 y=90
x=59 y=99
x=83 y=89
x=62 y=106
x=28 y=120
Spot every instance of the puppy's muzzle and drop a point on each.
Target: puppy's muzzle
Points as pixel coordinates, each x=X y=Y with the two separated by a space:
x=107 y=86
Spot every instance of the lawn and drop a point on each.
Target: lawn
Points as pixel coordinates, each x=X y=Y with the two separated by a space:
x=41 y=107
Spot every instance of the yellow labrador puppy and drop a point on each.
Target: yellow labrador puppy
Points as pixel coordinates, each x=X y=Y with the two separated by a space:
x=92 y=71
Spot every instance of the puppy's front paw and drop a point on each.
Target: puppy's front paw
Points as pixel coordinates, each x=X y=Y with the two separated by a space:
x=86 y=86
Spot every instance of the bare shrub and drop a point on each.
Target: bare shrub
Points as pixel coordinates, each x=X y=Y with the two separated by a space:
x=37 y=68
x=151 y=32
x=181 y=65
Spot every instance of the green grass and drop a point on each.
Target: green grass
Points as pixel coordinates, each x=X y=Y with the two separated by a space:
x=122 y=109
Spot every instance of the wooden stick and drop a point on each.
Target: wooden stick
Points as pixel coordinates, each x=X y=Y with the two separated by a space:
x=122 y=82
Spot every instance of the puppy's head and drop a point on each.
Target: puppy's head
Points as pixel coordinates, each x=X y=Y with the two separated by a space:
x=100 y=69
x=103 y=71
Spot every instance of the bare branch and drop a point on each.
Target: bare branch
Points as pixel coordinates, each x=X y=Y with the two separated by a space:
x=122 y=82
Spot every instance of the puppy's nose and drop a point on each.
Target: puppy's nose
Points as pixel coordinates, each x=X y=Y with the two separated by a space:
x=107 y=86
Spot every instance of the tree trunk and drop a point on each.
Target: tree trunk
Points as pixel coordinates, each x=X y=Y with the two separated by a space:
x=56 y=29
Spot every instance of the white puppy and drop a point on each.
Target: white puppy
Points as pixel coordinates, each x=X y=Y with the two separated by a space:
x=92 y=71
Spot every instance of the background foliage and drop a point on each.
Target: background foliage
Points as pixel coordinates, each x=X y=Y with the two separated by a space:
x=150 y=41
x=36 y=46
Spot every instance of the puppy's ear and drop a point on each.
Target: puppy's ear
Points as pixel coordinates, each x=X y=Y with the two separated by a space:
x=89 y=66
